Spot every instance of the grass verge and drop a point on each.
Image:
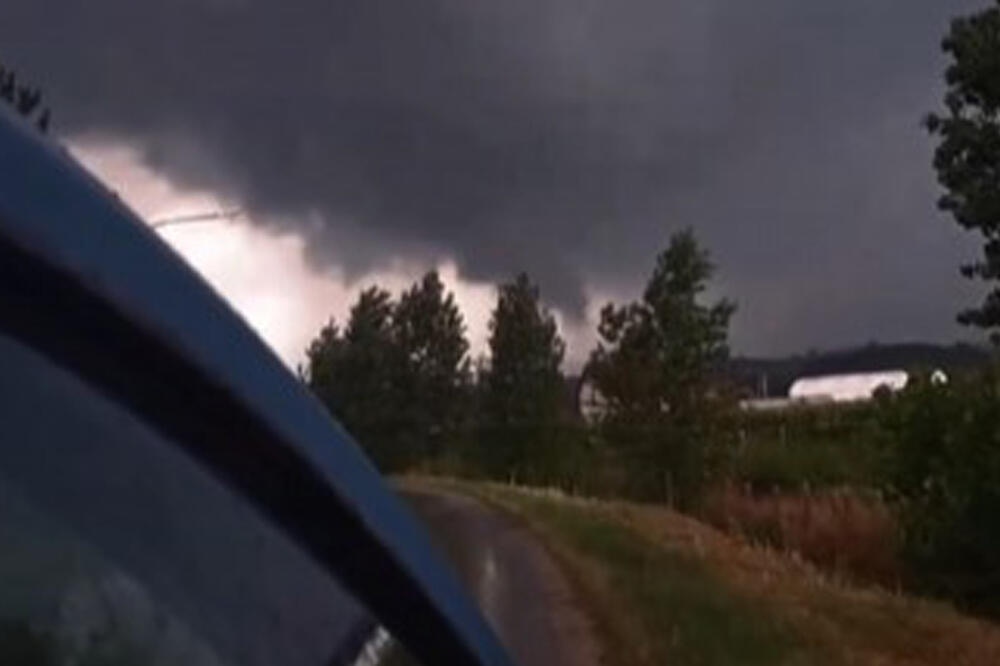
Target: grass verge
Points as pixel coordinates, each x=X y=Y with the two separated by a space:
x=649 y=605
x=662 y=588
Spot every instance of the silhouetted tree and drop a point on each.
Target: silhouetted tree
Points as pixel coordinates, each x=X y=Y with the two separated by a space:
x=436 y=372
x=524 y=384
x=323 y=357
x=654 y=357
x=24 y=98
x=967 y=158
x=356 y=375
x=653 y=366
x=522 y=388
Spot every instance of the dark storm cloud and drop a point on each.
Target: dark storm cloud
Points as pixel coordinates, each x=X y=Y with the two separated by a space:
x=565 y=138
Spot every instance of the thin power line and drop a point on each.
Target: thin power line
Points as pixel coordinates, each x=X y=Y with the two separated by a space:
x=197 y=217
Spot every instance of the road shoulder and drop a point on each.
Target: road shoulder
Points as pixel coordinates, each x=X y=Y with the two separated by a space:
x=522 y=589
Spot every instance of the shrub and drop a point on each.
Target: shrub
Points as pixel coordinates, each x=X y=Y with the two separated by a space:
x=943 y=475
x=669 y=463
x=804 y=448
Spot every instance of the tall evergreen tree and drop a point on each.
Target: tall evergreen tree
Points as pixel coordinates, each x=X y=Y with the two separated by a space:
x=524 y=383
x=436 y=371
x=355 y=373
x=323 y=358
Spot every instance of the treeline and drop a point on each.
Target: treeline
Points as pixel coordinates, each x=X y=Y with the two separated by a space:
x=399 y=376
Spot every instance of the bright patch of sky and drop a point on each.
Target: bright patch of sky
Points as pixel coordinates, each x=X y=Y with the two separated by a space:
x=266 y=277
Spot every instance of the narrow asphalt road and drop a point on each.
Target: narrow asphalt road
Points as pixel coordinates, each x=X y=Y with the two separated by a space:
x=521 y=591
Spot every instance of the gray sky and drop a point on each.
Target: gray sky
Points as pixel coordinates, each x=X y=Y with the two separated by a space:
x=568 y=139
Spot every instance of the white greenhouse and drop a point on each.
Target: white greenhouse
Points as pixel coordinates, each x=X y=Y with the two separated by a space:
x=847 y=387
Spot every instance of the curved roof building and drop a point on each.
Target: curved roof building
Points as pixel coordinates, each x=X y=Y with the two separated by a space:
x=846 y=388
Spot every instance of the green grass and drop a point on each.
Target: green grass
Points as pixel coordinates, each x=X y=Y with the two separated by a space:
x=688 y=616
x=655 y=606
x=768 y=463
x=662 y=588
x=828 y=446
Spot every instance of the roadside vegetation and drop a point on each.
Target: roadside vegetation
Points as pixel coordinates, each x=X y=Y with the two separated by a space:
x=663 y=588
x=903 y=490
x=898 y=491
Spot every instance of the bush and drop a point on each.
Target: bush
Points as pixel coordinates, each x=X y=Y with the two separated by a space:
x=564 y=455
x=804 y=448
x=666 y=463
x=943 y=475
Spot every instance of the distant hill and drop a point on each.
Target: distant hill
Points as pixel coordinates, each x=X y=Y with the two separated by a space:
x=749 y=373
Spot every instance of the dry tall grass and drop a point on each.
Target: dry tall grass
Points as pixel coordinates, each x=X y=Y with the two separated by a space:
x=843 y=531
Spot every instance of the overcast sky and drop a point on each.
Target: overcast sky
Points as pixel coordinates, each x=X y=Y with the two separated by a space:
x=370 y=139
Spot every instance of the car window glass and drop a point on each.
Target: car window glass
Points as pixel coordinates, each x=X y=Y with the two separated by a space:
x=116 y=548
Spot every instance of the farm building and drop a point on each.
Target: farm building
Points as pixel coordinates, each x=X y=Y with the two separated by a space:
x=846 y=387
x=591 y=406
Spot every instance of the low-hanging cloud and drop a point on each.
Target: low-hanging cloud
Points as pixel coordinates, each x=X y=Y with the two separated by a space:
x=564 y=138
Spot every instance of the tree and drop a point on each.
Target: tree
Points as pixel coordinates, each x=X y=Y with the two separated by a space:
x=967 y=158
x=654 y=365
x=522 y=390
x=355 y=374
x=323 y=356
x=654 y=357
x=524 y=384
x=24 y=98
x=435 y=376
x=398 y=376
